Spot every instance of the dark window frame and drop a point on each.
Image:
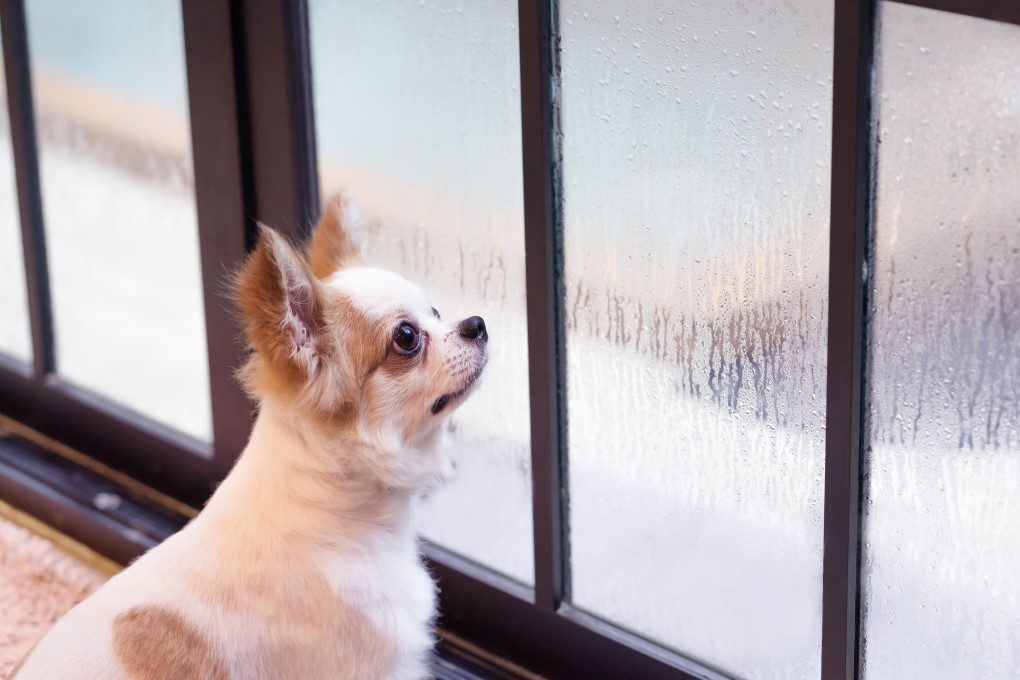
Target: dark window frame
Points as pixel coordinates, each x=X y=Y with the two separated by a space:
x=255 y=161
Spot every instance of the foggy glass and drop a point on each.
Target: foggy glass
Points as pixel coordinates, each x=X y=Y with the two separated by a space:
x=941 y=596
x=119 y=204
x=696 y=152
x=417 y=114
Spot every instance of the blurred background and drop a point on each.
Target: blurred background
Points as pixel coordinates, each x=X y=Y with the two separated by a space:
x=688 y=189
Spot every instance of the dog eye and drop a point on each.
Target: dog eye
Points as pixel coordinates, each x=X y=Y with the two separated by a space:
x=406 y=338
x=435 y=313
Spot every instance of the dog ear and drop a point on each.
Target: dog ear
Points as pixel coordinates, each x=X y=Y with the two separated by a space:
x=331 y=247
x=282 y=304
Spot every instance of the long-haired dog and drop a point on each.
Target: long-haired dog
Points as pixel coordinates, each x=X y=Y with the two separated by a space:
x=304 y=563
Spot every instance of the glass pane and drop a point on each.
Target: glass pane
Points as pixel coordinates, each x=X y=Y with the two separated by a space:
x=696 y=151
x=942 y=520
x=418 y=115
x=119 y=204
x=15 y=333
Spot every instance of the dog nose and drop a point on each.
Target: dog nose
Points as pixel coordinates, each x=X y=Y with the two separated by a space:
x=473 y=329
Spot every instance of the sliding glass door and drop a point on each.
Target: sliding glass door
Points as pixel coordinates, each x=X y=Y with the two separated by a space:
x=750 y=271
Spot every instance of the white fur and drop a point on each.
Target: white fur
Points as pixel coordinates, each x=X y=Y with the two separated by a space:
x=376 y=290
x=388 y=581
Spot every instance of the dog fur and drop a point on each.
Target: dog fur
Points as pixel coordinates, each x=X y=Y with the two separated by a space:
x=303 y=563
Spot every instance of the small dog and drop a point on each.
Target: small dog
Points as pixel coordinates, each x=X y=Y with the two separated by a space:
x=304 y=563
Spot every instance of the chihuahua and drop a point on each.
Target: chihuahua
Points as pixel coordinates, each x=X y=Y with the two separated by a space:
x=304 y=562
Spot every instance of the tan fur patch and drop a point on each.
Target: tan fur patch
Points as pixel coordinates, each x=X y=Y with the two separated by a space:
x=331 y=247
x=155 y=643
x=263 y=300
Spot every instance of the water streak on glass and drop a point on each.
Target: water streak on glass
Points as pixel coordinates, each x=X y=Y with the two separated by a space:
x=15 y=332
x=941 y=596
x=119 y=204
x=417 y=113
x=696 y=149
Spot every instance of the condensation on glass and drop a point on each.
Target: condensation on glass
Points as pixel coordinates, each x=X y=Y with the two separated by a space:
x=119 y=204
x=15 y=332
x=417 y=113
x=696 y=153
x=941 y=593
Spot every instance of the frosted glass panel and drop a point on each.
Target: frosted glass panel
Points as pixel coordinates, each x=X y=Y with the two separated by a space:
x=119 y=204
x=15 y=333
x=942 y=522
x=417 y=112
x=696 y=150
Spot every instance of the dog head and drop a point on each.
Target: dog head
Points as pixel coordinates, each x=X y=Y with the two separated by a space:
x=358 y=351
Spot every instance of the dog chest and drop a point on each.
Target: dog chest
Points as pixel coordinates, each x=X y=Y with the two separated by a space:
x=387 y=585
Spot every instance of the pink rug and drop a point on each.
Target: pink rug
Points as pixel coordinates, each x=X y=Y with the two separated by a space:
x=38 y=584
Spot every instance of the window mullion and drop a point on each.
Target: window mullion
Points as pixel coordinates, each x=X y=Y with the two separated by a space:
x=994 y=10
x=545 y=336
x=852 y=54
x=26 y=165
x=281 y=132
x=211 y=48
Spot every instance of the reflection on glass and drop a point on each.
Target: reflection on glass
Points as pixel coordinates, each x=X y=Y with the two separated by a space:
x=119 y=204
x=15 y=333
x=941 y=597
x=696 y=146
x=418 y=115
